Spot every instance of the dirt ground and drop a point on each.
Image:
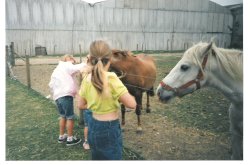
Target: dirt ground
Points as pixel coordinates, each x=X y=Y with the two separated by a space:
x=161 y=139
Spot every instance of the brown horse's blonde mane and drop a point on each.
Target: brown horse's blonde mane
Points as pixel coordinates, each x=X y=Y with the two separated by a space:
x=123 y=52
x=116 y=51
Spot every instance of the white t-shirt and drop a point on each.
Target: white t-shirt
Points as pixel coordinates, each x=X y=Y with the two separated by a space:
x=62 y=82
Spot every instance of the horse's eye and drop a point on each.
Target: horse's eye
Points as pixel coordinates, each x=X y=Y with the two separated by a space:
x=184 y=67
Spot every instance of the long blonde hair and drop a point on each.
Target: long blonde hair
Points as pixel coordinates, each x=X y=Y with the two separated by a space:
x=100 y=54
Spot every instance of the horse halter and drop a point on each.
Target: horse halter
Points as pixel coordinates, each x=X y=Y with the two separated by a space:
x=196 y=81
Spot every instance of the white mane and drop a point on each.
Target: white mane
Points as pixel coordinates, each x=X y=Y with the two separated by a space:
x=229 y=59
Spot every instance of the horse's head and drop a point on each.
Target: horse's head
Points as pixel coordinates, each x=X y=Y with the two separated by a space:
x=120 y=54
x=120 y=61
x=188 y=74
x=120 y=58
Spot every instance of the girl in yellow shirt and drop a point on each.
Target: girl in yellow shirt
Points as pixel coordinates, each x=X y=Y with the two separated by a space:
x=101 y=92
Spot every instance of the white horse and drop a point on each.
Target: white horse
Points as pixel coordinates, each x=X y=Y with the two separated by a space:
x=205 y=65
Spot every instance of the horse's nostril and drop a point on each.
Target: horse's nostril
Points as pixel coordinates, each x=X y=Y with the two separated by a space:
x=167 y=98
x=158 y=93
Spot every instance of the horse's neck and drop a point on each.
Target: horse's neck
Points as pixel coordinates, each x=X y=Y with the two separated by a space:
x=232 y=89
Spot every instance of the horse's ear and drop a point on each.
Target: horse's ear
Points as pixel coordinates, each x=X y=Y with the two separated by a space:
x=118 y=53
x=208 y=47
x=124 y=53
x=129 y=53
x=114 y=51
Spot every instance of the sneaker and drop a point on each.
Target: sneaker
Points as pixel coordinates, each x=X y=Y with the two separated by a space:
x=86 y=145
x=73 y=142
x=64 y=139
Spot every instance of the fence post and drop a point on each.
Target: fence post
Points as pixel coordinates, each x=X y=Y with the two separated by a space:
x=7 y=59
x=30 y=49
x=80 y=50
x=54 y=49
x=172 y=41
x=27 y=69
x=12 y=54
x=185 y=45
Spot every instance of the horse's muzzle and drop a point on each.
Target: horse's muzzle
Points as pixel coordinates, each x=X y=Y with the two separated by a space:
x=163 y=95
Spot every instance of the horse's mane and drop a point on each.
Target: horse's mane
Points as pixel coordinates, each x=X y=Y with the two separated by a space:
x=230 y=60
x=123 y=52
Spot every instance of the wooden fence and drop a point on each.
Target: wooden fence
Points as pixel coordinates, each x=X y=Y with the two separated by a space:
x=10 y=62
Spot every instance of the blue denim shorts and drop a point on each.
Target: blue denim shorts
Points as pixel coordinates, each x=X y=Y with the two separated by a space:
x=87 y=114
x=65 y=107
x=105 y=139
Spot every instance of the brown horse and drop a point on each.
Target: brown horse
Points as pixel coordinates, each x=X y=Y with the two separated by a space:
x=138 y=74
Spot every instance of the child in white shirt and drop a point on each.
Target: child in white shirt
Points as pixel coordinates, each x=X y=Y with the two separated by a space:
x=63 y=89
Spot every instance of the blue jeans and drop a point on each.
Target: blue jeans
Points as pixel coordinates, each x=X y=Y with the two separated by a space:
x=87 y=114
x=65 y=107
x=105 y=139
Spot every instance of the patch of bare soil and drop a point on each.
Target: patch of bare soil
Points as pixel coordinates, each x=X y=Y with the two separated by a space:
x=162 y=138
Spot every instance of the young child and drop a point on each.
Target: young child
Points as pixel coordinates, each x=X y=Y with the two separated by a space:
x=101 y=91
x=63 y=89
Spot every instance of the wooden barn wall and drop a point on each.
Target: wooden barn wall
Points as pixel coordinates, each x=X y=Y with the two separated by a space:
x=62 y=25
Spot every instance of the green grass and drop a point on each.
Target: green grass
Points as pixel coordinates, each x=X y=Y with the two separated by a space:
x=200 y=110
x=32 y=128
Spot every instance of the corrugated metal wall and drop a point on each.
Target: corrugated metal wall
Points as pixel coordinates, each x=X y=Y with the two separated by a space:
x=62 y=25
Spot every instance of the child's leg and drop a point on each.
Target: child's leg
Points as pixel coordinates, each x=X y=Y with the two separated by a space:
x=85 y=133
x=62 y=120
x=69 y=113
x=87 y=116
x=71 y=140
x=62 y=125
x=85 y=143
x=62 y=136
x=70 y=127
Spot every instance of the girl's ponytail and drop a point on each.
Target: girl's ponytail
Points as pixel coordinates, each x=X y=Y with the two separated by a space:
x=99 y=50
x=98 y=76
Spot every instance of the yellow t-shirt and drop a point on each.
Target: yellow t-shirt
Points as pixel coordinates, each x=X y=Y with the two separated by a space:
x=100 y=104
